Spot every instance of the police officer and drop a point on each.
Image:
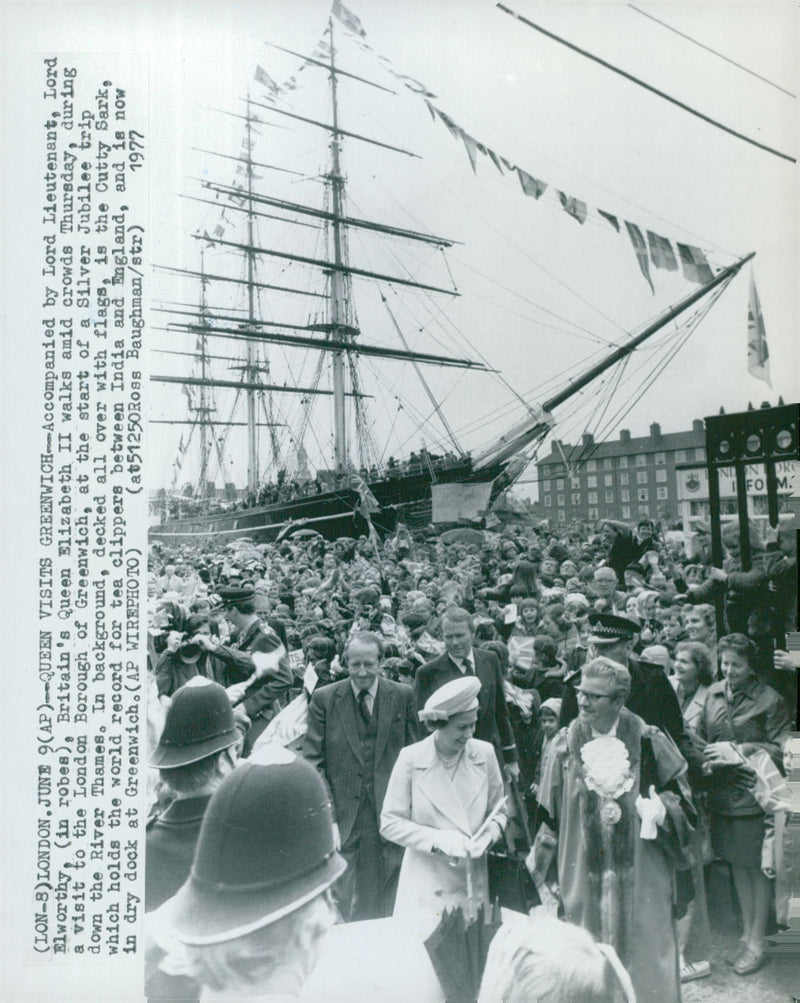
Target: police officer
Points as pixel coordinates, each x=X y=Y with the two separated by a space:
x=254 y=913
x=197 y=749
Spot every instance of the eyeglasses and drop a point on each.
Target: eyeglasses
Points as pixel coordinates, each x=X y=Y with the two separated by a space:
x=594 y=697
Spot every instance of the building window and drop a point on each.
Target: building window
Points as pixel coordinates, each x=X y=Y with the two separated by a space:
x=680 y=456
x=641 y=477
x=592 y=497
x=700 y=453
x=545 y=485
x=576 y=498
x=591 y=466
x=641 y=460
x=623 y=461
x=661 y=459
x=594 y=513
x=562 y=516
x=661 y=476
x=548 y=501
x=661 y=494
x=626 y=511
x=560 y=484
x=623 y=478
x=644 y=510
x=591 y=482
x=574 y=483
x=642 y=494
x=625 y=495
x=608 y=464
x=609 y=480
x=609 y=496
x=560 y=500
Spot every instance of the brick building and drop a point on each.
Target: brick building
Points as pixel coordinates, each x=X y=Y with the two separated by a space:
x=623 y=479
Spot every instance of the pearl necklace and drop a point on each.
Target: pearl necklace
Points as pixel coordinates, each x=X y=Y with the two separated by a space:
x=448 y=763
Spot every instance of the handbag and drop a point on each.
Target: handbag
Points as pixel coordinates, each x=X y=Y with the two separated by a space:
x=510 y=882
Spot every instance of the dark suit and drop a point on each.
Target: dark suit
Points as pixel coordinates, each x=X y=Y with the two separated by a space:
x=493 y=723
x=357 y=761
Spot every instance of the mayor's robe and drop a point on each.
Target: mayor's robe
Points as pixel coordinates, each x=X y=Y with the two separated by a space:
x=618 y=886
x=422 y=799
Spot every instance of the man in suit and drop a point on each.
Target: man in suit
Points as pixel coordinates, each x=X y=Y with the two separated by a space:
x=356 y=729
x=461 y=659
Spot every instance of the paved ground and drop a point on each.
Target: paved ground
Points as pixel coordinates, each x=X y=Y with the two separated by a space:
x=776 y=982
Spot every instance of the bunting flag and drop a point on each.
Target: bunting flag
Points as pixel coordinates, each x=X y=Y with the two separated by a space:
x=574 y=207
x=219 y=231
x=455 y=132
x=472 y=150
x=530 y=185
x=694 y=264
x=661 y=253
x=264 y=78
x=757 y=350
x=640 y=247
x=348 y=19
x=609 y=218
x=207 y=237
x=413 y=85
x=495 y=160
x=432 y=110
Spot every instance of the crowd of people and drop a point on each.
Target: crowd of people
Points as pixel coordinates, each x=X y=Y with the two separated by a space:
x=578 y=702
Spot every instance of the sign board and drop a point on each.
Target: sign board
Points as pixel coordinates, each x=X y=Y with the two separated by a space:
x=693 y=484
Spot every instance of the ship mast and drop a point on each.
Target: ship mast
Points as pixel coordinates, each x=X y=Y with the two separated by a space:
x=204 y=410
x=250 y=374
x=339 y=329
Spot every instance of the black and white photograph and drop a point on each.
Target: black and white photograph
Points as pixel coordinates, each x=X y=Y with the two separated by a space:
x=402 y=472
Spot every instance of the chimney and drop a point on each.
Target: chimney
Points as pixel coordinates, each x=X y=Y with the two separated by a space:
x=624 y=435
x=655 y=431
x=588 y=438
x=698 y=425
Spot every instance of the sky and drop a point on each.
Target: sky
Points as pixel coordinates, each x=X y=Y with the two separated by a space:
x=542 y=296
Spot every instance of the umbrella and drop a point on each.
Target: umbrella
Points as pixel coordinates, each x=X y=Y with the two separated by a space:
x=458 y=950
x=464 y=535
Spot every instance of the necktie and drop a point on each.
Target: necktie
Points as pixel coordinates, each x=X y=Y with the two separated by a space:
x=469 y=668
x=363 y=710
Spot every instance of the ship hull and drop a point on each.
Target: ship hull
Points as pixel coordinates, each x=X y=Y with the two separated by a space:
x=403 y=498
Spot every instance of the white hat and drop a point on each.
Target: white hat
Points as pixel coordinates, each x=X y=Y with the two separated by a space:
x=455 y=697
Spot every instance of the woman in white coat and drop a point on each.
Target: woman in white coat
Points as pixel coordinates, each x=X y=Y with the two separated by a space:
x=445 y=803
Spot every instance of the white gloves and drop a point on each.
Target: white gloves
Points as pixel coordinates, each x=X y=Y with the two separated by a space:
x=478 y=845
x=451 y=842
x=652 y=812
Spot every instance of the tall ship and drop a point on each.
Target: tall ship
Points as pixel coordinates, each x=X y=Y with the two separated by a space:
x=304 y=316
